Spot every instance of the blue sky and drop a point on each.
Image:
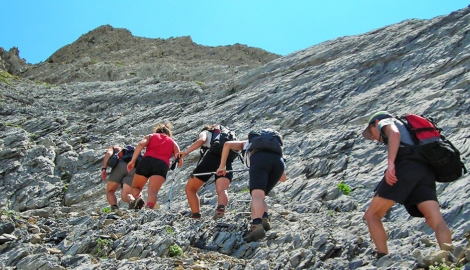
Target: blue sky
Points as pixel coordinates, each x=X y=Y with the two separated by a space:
x=39 y=28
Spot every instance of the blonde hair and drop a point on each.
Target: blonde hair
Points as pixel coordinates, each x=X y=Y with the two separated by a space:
x=163 y=128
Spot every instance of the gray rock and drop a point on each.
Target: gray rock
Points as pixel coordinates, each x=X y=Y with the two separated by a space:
x=7 y=227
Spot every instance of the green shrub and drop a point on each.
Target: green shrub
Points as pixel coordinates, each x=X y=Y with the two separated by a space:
x=175 y=251
x=245 y=190
x=5 y=80
x=66 y=188
x=103 y=243
x=443 y=266
x=169 y=230
x=200 y=83
x=344 y=188
x=106 y=210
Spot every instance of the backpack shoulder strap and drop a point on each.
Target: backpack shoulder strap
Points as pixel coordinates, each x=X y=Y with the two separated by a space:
x=408 y=127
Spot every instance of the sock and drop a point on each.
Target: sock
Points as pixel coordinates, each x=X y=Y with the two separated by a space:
x=221 y=208
x=151 y=205
x=196 y=215
x=257 y=221
x=265 y=215
x=115 y=206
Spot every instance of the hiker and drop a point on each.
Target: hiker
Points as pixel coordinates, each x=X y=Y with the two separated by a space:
x=154 y=165
x=266 y=169
x=119 y=176
x=208 y=162
x=408 y=182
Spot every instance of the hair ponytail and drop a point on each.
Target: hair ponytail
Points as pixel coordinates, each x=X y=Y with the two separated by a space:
x=164 y=129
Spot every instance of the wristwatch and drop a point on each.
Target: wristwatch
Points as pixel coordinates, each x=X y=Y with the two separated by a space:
x=103 y=169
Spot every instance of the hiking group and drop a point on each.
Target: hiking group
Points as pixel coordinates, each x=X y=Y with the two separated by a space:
x=413 y=167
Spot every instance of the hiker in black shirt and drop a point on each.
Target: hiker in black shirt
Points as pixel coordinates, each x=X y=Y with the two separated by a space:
x=208 y=163
x=266 y=170
x=406 y=181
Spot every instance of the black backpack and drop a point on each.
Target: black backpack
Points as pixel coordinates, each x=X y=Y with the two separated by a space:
x=125 y=155
x=437 y=151
x=219 y=138
x=267 y=140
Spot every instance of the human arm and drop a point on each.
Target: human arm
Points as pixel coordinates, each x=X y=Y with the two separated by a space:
x=143 y=143
x=232 y=145
x=107 y=155
x=391 y=131
x=176 y=151
x=200 y=141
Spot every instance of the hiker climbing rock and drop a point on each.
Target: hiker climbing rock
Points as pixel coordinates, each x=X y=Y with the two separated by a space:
x=407 y=181
x=211 y=140
x=154 y=165
x=116 y=158
x=263 y=154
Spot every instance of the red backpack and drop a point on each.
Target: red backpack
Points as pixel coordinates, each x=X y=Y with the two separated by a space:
x=439 y=152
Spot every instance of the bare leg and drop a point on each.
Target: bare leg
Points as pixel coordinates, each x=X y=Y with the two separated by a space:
x=138 y=184
x=222 y=184
x=155 y=183
x=258 y=205
x=374 y=214
x=191 y=189
x=126 y=191
x=434 y=219
x=111 y=188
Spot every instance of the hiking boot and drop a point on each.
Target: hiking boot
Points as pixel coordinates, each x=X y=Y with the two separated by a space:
x=380 y=255
x=266 y=224
x=447 y=247
x=218 y=214
x=137 y=203
x=196 y=215
x=114 y=208
x=257 y=233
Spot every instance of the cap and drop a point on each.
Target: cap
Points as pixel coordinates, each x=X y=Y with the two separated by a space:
x=376 y=116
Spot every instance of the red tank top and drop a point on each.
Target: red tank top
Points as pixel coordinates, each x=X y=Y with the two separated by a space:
x=161 y=147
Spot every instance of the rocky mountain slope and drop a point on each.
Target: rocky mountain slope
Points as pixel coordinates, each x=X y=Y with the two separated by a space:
x=57 y=121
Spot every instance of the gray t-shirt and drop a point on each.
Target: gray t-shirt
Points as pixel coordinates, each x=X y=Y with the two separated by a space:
x=405 y=136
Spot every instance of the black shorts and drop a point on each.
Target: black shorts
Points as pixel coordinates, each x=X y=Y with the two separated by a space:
x=150 y=166
x=210 y=163
x=416 y=184
x=265 y=170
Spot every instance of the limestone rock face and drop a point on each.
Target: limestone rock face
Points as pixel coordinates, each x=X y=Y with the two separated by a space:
x=11 y=62
x=53 y=139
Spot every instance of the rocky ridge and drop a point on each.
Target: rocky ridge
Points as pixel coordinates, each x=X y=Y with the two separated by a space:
x=53 y=137
x=112 y=54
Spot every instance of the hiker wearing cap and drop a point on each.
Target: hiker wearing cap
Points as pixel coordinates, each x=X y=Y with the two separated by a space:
x=119 y=176
x=406 y=181
x=266 y=170
x=208 y=162
x=154 y=165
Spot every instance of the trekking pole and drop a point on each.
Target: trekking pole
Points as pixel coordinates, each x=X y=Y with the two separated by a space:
x=211 y=173
x=174 y=166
